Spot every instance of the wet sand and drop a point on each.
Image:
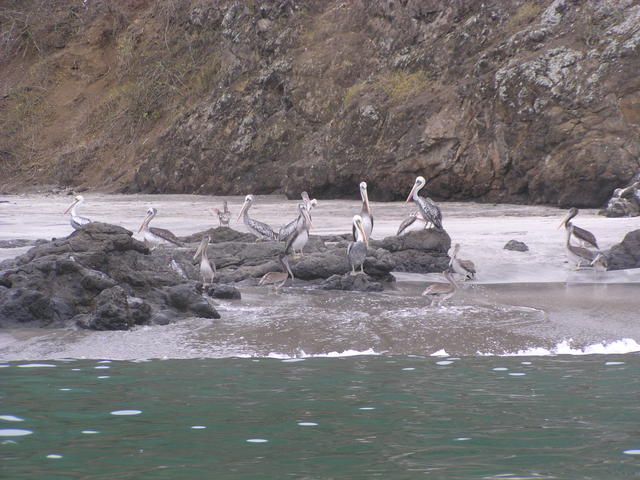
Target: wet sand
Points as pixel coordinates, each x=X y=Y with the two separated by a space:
x=520 y=301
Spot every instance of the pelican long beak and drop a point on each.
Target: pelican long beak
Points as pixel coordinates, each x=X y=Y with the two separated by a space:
x=75 y=202
x=366 y=201
x=564 y=220
x=144 y=222
x=244 y=207
x=363 y=233
x=201 y=247
x=305 y=214
x=411 y=193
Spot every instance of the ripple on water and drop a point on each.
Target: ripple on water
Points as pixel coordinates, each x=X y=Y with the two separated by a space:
x=36 y=365
x=632 y=452
x=11 y=418
x=444 y=362
x=104 y=376
x=308 y=424
x=14 y=432
x=257 y=440
x=408 y=369
x=102 y=367
x=367 y=408
x=500 y=369
x=90 y=432
x=614 y=363
x=198 y=427
x=126 y=412
x=54 y=455
x=517 y=374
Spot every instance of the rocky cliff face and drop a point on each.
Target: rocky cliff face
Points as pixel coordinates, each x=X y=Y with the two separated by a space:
x=517 y=101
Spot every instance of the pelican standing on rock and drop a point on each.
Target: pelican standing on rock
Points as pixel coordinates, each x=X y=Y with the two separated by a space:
x=466 y=268
x=224 y=215
x=259 y=229
x=299 y=237
x=365 y=212
x=155 y=237
x=584 y=236
x=440 y=292
x=579 y=255
x=278 y=278
x=207 y=268
x=287 y=229
x=427 y=208
x=357 y=250
x=76 y=220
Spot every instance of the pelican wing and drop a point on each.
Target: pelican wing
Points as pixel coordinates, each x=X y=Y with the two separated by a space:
x=166 y=235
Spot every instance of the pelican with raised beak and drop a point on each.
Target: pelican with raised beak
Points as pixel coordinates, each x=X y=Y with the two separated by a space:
x=207 y=268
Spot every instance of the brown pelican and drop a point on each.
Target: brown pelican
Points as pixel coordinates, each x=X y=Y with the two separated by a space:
x=207 y=269
x=224 y=215
x=278 y=278
x=409 y=221
x=76 y=220
x=299 y=237
x=259 y=229
x=466 y=268
x=439 y=292
x=365 y=212
x=584 y=236
x=287 y=229
x=579 y=255
x=357 y=250
x=429 y=210
x=155 y=237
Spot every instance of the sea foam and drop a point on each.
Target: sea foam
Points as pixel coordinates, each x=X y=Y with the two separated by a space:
x=624 y=345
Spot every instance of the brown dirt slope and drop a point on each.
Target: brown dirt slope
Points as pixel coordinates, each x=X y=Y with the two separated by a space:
x=515 y=101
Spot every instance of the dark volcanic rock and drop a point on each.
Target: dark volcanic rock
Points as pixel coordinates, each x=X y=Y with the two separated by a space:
x=516 y=246
x=359 y=283
x=220 y=235
x=20 y=242
x=101 y=278
x=625 y=254
x=226 y=292
x=422 y=251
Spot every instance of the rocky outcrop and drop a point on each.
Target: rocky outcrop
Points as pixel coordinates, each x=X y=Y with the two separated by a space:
x=625 y=202
x=516 y=246
x=625 y=254
x=99 y=277
x=516 y=101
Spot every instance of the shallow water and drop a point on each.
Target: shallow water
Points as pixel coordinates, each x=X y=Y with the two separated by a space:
x=391 y=417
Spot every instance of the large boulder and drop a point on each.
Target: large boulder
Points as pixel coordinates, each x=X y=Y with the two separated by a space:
x=101 y=278
x=625 y=254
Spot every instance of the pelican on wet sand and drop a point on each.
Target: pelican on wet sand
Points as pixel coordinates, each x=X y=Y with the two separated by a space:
x=579 y=255
x=299 y=237
x=427 y=208
x=224 y=215
x=259 y=229
x=76 y=220
x=365 y=212
x=584 y=236
x=440 y=292
x=357 y=250
x=207 y=268
x=278 y=278
x=466 y=268
x=155 y=237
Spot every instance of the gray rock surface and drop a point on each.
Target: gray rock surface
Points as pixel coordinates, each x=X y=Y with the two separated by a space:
x=625 y=254
x=99 y=277
x=516 y=246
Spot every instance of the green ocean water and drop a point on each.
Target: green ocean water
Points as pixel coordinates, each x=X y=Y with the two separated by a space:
x=365 y=417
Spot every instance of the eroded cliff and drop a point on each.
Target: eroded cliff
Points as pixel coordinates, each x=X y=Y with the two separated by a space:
x=525 y=101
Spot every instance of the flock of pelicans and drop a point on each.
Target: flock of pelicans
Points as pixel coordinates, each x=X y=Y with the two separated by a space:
x=295 y=235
